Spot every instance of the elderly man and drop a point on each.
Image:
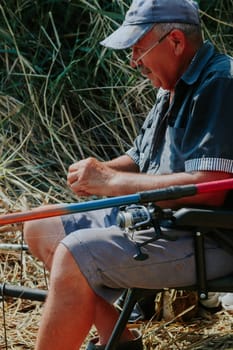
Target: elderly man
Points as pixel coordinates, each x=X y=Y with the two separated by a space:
x=186 y=138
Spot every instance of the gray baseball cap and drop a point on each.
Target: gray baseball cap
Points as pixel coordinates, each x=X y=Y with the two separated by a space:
x=144 y=14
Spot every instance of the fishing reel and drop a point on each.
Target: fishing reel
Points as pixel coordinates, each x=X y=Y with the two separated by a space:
x=139 y=217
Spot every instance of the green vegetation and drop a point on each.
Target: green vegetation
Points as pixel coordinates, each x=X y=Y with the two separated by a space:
x=63 y=97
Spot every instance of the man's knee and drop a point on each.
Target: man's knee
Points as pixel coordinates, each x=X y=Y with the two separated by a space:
x=43 y=236
x=30 y=230
x=66 y=272
x=34 y=238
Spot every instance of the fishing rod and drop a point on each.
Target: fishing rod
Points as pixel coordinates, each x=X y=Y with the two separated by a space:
x=168 y=193
x=14 y=247
x=15 y=291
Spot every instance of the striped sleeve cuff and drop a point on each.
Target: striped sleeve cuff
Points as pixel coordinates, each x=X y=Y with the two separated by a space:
x=133 y=155
x=211 y=164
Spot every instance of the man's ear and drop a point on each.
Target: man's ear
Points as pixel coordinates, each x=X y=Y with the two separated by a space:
x=177 y=41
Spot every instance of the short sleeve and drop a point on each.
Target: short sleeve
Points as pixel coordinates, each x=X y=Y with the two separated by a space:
x=207 y=140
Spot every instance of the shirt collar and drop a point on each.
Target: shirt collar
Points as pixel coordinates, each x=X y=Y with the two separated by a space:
x=198 y=63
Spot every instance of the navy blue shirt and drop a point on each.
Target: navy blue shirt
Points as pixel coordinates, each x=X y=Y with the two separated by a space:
x=195 y=132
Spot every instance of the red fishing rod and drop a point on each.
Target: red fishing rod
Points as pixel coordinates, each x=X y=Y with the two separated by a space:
x=168 y=193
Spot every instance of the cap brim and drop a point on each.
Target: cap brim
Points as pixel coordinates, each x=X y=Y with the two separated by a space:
x=126 y=36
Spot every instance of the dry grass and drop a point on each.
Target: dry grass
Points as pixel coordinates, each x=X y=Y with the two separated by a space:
x=19 y=318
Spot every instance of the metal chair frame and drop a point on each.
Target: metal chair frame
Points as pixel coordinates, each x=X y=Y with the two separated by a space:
x=199 y=221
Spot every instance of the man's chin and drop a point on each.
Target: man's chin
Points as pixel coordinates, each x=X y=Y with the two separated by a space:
x=156 y=83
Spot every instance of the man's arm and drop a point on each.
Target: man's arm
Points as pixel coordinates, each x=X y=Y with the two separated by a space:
x=123 y=163
x=91 y=177
x=124 y=183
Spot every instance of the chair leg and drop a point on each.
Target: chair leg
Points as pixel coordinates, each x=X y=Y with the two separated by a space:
x=200 y=265
x=130 y=300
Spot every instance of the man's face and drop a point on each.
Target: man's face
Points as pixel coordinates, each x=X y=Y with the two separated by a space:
x=153 y=55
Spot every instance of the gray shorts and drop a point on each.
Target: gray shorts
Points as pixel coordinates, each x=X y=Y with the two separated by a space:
x=105 y=255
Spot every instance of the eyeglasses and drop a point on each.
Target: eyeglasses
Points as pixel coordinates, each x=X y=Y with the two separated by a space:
x=135 y=62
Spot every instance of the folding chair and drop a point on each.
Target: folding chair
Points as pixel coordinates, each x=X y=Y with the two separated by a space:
x=199 y=221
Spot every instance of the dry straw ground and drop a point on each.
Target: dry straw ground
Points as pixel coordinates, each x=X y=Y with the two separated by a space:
x=19 y=319
x=62 y=98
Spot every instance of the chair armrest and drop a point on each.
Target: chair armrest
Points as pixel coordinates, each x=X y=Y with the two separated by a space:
x=217 y=218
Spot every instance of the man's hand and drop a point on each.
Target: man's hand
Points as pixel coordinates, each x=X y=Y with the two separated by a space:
x=90 y=177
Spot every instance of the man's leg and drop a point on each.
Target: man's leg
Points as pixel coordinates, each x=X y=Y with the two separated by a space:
x=43 y=237
x=72 y=308
x=105 y=319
